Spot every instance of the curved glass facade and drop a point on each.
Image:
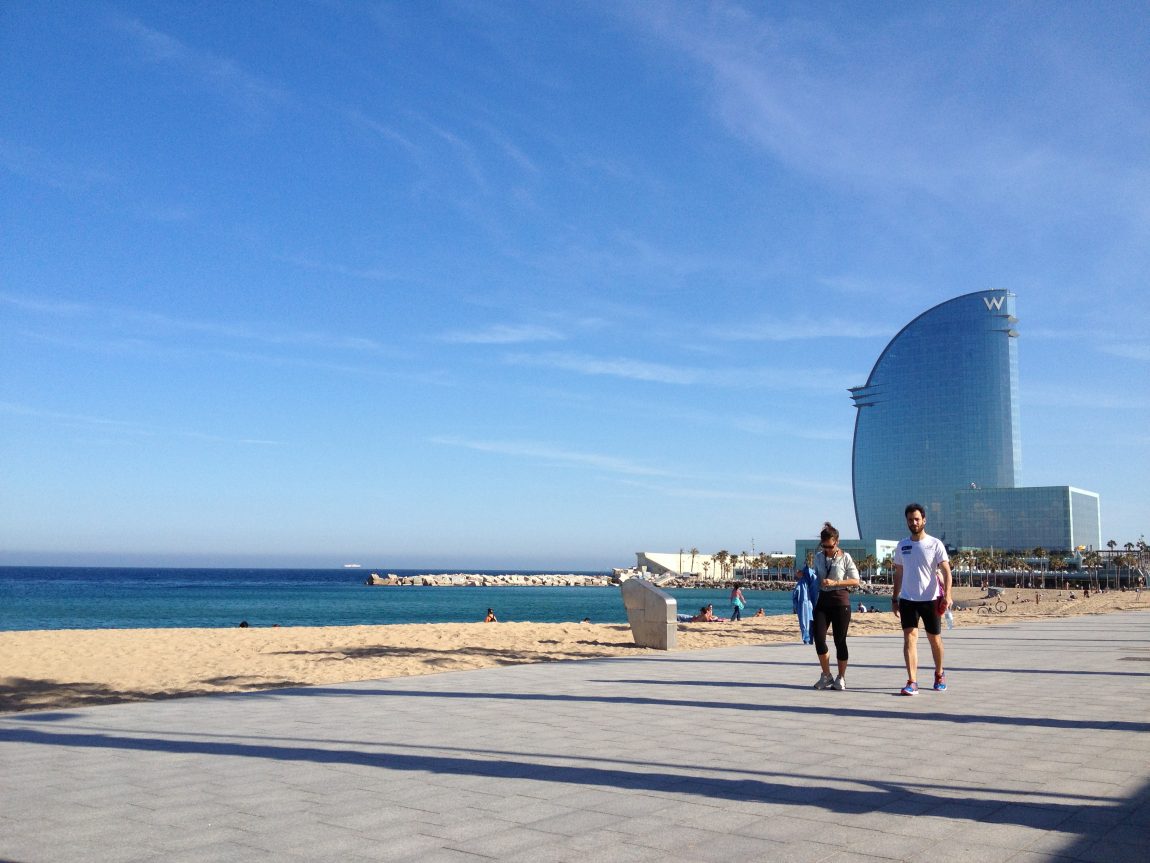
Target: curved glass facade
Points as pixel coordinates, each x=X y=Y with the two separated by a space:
x=938 y=413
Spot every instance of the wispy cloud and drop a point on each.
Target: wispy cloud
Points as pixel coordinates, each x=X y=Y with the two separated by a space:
x=384 y=130
x=611 y=367
x=45 y=307
x=805 y=378
x=371 y=274
x=1083 y=398
x=541 y=452
x=765 y=490
x=640 y=260
x=862 y=115
x=512 y=151
x=220 y=75
x=269 y=334
x=148 y=325
x=40 y=167
x=426 y=377
x=1127 y=351
x=503 y=334
x=796 y=329
x=743 y=487
x=129 y=428
x=795 y=429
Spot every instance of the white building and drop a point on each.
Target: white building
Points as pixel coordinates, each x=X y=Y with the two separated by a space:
x=702 y=566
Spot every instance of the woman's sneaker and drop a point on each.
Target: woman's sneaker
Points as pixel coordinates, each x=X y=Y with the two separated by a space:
x=825 y=682
x=940 y=681
x=911 y=688
x=840 y=684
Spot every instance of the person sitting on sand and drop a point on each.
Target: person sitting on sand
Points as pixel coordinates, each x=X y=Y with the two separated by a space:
x=760 y=613
x=491 y=618
x=706 y=615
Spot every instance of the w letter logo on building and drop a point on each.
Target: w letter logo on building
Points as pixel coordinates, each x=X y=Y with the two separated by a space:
x=994 y=303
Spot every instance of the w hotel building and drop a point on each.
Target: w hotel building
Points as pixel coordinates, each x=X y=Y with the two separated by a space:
x=938 y=424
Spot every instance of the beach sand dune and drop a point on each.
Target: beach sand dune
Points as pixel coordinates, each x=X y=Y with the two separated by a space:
x=47 y=670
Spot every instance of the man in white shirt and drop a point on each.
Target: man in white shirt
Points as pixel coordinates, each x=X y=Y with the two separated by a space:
x=921 y=576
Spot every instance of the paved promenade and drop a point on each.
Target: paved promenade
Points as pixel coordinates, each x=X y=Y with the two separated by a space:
x=1040 y=751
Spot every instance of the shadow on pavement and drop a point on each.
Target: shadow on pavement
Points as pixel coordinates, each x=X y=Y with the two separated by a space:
x=1091 y=820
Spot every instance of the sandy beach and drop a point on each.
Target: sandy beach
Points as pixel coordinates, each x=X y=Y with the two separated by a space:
x=58 y=669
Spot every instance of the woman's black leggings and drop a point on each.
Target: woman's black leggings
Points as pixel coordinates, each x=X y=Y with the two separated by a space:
x=837 y=616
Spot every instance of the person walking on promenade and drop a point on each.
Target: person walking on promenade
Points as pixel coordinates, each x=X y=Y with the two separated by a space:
x=738 y=601
x=804 y=597
x=922 y=583
x=836 y=573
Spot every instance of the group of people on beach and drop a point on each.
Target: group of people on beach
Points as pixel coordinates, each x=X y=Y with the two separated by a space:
x=707 y=612
x=922 y=593
x=821 y=598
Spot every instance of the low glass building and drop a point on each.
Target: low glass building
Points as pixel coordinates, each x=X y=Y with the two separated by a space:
x=1059 y=518
x=938 y=413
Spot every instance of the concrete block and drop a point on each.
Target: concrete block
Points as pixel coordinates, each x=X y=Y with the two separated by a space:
x=651 y=613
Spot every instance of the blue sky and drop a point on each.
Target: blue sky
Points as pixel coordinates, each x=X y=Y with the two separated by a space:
x=540 y=285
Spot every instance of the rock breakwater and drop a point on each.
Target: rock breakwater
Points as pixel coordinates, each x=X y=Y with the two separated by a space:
x=470 y=579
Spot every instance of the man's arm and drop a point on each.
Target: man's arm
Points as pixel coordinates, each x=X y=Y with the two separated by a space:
x=945 y=577
x=897 y=588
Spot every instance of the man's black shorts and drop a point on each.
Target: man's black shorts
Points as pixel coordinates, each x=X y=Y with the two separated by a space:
x=911 y=612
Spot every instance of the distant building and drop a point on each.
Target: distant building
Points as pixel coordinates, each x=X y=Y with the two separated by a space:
x=938 y=424
x=1053 y=517
x=703 y=566
x=858 y=549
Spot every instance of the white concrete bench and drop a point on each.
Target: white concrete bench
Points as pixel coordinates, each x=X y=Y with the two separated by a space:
x=651 y=613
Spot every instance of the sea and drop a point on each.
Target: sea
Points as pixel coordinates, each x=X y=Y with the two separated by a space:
x=45 y=597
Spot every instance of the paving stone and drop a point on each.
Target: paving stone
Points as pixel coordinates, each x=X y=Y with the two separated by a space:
x=717 y=754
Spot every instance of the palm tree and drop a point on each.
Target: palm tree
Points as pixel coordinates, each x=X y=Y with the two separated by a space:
x=758 y=564
x=967 y=559
x=1043 y=556
x=694 y=553
x=721 y=558
x=706 y=569
x=989 y=562
x=1092 y=560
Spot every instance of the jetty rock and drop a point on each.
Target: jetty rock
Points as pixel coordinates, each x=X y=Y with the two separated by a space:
x=466 y=579
x=375 y=578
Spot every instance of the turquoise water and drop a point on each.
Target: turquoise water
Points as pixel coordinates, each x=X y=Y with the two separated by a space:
x=103 y=598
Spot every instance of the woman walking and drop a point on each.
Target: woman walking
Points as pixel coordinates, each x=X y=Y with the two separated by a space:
x=837 y=573
x=738 y=601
